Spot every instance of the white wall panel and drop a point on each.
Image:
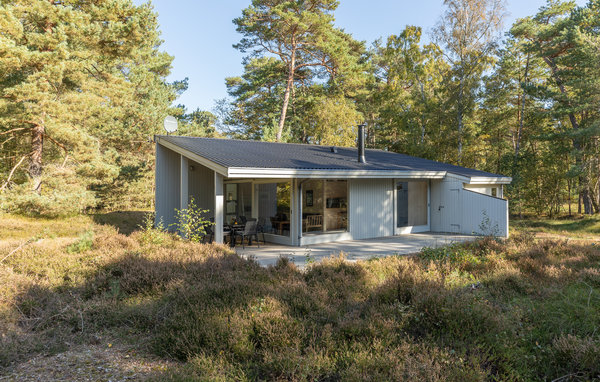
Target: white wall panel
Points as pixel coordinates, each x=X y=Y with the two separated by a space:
x=484 y=215
x=371 y=208
x=458 y=210
x=167 y=177
x=201 y=181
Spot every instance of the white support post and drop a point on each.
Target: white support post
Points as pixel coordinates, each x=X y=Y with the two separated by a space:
x=183 y=183
x=429 y=205
x=294 y=211
x=254 y=201
x=299 y=217
x=219 y=202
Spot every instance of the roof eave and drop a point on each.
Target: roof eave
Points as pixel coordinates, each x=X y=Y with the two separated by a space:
x=285 y=173
x=190 y=155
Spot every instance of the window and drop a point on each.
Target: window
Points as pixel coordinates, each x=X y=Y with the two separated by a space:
x=324 y=206
x=411 y=204
x=238 y=201
x=274 y=208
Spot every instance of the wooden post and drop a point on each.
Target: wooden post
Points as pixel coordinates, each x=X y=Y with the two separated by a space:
x=219 y=209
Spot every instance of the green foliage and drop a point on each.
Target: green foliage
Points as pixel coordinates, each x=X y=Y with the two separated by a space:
x=454 y=254
x=152 y=233
x=191 y=222
x=63 y=195
x=84 y=243
x=294 y=49
x=83 y=87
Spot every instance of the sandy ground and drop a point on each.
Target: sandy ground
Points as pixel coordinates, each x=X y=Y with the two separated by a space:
x=105 y=362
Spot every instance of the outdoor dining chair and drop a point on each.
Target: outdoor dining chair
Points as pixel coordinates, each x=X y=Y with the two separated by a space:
x=250 y=230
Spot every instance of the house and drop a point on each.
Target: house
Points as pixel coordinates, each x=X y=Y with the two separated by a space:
x=307 y=194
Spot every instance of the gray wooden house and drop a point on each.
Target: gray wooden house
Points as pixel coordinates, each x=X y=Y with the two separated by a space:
x=307 y=194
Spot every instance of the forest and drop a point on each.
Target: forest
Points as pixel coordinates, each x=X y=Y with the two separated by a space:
x=83 y=88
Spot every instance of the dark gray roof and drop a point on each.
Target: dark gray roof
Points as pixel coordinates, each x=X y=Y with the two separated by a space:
x=257 y=154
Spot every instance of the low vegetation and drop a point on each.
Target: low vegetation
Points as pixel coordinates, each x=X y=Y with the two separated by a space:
x=579 y=227
x=521 y=309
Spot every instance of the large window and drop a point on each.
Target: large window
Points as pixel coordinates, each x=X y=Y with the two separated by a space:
x=411 y=204
x=274 y=208
x=238 y=202
x=324 y=206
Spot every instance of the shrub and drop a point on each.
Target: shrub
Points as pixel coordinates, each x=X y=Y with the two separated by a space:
x=151 y=232
x=191 y=222
x=84 y=243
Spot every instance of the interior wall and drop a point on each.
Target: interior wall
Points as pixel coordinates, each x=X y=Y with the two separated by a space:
x=316 y=186
x=335 y=215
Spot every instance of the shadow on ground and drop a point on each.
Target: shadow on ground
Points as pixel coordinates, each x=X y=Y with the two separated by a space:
x=126 y=222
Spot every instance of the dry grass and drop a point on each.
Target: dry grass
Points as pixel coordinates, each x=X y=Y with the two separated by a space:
x=524 y=309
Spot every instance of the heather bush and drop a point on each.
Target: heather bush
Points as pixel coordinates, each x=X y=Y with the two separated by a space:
x=62 y=194
x=487 y=310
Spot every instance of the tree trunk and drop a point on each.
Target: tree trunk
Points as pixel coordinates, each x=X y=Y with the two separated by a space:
x=585 y=196
x=522 y=113
x=460 y=118
x=286 y=96
x=35 y=163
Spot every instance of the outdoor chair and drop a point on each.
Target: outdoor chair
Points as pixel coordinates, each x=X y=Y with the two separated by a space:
x=250 y=230
x=228 y=231
x=208 y=234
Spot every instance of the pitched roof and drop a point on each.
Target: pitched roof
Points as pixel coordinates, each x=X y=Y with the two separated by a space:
x=232 y=153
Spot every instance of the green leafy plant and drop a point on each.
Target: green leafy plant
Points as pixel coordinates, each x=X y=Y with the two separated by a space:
x=486 y=227
x=151 y=232
x=191 y=222
x=453 y=254
x=84 y=243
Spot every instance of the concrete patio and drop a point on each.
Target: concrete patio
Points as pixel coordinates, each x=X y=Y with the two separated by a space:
x=354 y=249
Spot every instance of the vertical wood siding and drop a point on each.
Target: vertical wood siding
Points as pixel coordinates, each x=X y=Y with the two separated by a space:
x=371 y=208
x=168 y=164
x=483 y=209
x=457 y=210
x=201 y=182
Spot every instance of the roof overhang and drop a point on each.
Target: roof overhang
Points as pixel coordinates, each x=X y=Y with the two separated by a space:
x=286 y=173
x=190 y=155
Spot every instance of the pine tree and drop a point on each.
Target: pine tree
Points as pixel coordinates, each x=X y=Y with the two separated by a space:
x=301 y=34
x=83 y=86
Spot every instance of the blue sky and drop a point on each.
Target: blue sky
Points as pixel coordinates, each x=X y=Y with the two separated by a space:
x=200 y=34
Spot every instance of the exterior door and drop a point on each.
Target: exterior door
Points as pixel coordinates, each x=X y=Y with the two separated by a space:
x=411 y=206
x=453 y=210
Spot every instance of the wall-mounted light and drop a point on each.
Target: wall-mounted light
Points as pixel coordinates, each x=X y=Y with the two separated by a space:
x=192 y=168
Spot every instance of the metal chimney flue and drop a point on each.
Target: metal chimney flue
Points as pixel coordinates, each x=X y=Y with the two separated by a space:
x=361 y=143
